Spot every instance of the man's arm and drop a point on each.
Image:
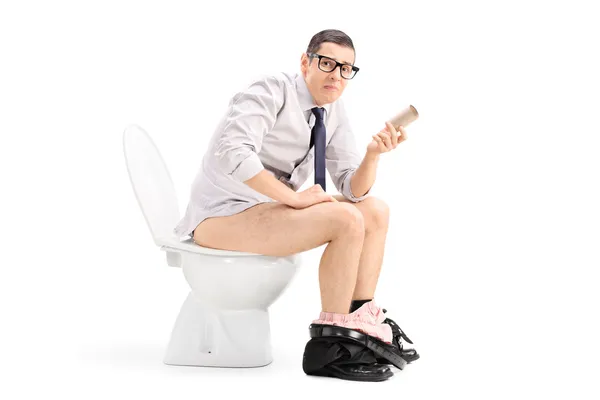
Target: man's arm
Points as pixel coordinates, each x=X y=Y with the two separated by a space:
x=252 y=115
x=266 y=184
x=364 y=177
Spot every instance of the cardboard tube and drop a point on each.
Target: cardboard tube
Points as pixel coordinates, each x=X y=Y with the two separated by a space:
x=404 y=117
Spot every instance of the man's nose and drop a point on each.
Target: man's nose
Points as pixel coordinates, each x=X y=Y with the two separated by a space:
x=337 y=72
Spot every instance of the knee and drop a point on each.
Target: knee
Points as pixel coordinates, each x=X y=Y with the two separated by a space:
x=348 y=219
x=377 y=215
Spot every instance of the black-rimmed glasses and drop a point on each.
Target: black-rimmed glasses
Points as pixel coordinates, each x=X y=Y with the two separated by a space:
x=327 y=64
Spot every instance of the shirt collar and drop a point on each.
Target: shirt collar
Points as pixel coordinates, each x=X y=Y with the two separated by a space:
x=304 y=97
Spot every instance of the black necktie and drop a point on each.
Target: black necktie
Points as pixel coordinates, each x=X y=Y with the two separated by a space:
x=318 y=139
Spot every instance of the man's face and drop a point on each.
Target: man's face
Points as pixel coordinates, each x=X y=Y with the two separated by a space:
x=326 y=87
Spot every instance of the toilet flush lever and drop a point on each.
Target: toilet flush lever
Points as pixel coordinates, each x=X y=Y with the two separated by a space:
x=173 y=259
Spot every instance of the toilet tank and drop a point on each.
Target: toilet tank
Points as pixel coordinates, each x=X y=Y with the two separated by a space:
x=151 y=183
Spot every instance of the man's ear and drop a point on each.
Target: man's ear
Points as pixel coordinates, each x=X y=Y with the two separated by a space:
x=303 y=62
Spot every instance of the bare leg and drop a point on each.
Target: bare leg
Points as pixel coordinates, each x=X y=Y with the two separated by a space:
x=279 y=230
x=339 y=268
x=376 y=216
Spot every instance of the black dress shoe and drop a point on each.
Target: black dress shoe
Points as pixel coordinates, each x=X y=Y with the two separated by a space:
x=409 y=355
x=356 y=372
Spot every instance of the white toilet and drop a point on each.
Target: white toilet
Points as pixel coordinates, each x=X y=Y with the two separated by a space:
x=224 y=322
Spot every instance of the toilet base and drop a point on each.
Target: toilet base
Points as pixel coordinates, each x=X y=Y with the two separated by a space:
x=208 y=337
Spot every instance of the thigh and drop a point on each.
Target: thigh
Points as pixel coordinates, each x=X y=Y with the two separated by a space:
x=274 y=228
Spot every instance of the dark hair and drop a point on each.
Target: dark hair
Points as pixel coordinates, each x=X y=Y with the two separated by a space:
x=332 y=36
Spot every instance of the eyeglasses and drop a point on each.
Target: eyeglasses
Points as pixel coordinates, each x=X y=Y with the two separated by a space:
x=327 y=64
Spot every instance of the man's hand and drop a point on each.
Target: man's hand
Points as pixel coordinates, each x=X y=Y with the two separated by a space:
x=313 y=195
x=386 y=140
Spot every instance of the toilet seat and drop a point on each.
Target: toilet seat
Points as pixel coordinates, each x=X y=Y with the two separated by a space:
x=174 y=247
x=172 y=244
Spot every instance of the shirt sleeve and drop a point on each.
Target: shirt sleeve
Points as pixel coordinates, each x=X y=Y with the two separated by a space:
x=252 y=114
x=343 y=158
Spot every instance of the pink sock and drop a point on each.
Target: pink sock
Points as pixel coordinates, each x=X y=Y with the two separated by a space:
x=368 y=319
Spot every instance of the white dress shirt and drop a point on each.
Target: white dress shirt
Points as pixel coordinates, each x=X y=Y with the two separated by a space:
x=268 y=126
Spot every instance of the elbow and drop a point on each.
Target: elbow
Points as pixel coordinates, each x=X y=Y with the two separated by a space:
x=228 y=159
x=240 y=163
x=347 y=189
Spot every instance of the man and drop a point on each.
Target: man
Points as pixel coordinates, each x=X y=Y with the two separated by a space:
x=275 y=133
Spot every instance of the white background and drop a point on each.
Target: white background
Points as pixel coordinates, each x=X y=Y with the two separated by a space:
x=493 y=246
